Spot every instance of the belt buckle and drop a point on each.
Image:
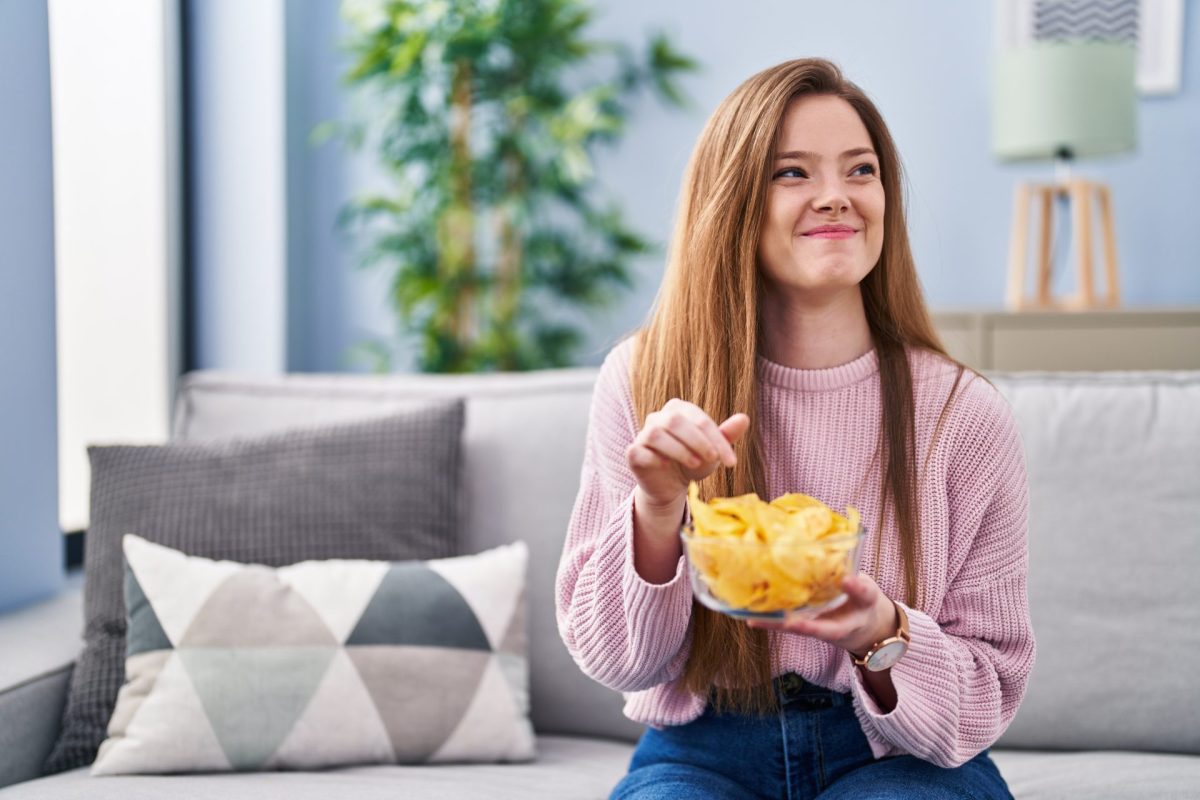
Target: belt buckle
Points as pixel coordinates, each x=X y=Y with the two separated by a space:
x=791 y=683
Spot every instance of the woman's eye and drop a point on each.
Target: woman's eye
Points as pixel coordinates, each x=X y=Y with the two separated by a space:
x=791 y=172
x=870 y=169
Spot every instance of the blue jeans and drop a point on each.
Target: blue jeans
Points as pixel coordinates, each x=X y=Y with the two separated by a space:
x=813 y=747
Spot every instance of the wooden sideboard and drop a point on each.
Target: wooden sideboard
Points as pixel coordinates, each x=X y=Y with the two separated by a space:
x=1073 y=340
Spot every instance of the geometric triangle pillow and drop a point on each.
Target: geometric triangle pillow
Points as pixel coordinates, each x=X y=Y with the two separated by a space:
x=235 y=666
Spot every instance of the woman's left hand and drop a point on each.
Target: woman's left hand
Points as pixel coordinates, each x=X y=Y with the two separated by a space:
x=866 y=617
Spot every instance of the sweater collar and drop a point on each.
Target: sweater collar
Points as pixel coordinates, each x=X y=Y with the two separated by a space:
x=820 y=380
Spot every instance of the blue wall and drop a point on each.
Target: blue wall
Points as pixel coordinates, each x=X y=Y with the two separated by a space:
x=31 y=544
x=237 y=203
x=332 y=304
x=928 y=66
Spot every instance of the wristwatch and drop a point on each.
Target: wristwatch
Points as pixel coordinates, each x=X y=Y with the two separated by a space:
x=883 y=654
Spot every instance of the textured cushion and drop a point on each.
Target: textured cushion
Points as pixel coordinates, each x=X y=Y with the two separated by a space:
x=1114 y=541
x=318 y=664
x=567 y=768
x=522 y=449
x=384 y=488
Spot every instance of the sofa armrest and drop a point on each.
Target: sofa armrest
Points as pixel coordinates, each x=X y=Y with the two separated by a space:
x=38 y=648
x=30 y=714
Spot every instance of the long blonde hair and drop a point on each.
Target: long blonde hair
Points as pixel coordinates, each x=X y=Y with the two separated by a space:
x=703 y=337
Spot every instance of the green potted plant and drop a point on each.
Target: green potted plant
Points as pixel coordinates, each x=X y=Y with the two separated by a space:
x=485 y=116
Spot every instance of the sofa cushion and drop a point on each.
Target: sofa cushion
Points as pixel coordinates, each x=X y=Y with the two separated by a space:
x=384 y=488
x=567 y=768
x=523 y=449
x=1114 y=542
x=1049 y=775
x=322 y=663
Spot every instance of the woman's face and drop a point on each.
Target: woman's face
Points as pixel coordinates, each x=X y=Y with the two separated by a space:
x=823 y=229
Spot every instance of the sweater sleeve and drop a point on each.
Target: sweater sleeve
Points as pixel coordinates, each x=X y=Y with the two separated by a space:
x=623 y=632
x=966 y=670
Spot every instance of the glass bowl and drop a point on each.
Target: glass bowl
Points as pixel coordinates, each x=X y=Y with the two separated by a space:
x=751 y=579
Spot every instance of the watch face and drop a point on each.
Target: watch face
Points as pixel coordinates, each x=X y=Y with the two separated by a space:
x=886 y=656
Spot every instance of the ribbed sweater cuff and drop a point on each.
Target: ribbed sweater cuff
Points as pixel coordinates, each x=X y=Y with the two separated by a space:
x=664 y=705
x=924 y=721
x=656 y=614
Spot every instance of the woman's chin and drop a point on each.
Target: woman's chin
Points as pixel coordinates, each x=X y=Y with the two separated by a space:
x=832 y=275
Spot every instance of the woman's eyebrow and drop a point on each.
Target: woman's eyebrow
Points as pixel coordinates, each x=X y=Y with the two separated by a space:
x=806 y=155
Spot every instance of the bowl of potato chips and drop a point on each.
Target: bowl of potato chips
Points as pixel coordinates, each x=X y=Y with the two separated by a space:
x=757 y=560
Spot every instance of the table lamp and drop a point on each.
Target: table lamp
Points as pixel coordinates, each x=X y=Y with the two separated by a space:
x=1064 y=100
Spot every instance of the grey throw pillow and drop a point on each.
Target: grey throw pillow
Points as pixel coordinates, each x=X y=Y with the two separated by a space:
x=381 y=489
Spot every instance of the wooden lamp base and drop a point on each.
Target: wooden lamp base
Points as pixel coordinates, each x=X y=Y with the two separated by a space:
x=1080 y=194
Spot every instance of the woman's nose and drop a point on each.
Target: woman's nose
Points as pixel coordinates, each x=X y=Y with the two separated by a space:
x=831 y=198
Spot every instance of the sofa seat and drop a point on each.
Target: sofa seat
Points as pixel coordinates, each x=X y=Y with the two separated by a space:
x=572 y=767
x=1095 y=774
x=567 y=767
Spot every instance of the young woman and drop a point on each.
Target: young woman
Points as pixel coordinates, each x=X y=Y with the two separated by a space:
x=790 y=350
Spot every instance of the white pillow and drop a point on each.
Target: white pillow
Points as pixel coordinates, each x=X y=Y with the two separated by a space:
x=323 y=663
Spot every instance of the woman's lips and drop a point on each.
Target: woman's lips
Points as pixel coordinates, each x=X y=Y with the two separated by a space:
x=838 y=234
x=830 y=231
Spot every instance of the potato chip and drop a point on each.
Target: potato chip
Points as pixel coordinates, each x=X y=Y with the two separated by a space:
x=796 y=502
x=767 y=557
x=814 y=521
x=710 y=522
x=762 y=520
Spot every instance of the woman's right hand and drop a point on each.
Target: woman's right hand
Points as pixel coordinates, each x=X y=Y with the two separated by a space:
x=678 y=444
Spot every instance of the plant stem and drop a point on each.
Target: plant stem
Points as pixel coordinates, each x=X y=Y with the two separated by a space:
x=461 y=257
x=508 y=266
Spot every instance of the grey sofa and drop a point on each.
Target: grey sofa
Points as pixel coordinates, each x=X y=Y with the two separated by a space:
x=1113 y=709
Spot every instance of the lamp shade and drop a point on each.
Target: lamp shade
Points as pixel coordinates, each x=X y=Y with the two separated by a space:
x=1073 y=96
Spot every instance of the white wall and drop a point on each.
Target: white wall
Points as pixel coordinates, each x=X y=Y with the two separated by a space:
x=116 y=213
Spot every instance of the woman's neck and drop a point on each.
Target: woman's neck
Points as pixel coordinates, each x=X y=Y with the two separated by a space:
x=814 y=335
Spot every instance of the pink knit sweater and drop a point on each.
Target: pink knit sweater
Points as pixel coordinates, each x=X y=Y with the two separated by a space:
x=972 y=648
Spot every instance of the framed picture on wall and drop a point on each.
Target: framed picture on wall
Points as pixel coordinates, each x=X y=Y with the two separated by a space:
x=1160 y=46
x=1155 y=26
